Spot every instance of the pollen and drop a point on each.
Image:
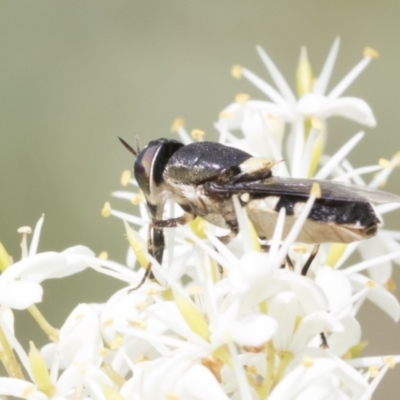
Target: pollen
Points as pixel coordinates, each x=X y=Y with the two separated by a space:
x=317 y=124
x=373 y=371
x=316 y=190
x=197 y=134
x=27 y=230
x=195 y=290
x=390 y=361
x=300 y=248
x=236 y=71
x=103 y=255
x=371 y=284
x=397 y=158
x=137 y=323
x=391 y=285
x=106 y=211
x=226 y=115
x=370 y=52
x=103 y=351
x=177 y=123
x=241 y=98
x=137 y=199
x=307 y=361
x=384 y=163
x=108 y=322
x=125 y=177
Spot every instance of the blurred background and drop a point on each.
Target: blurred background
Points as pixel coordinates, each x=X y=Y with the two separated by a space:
x=74 y=75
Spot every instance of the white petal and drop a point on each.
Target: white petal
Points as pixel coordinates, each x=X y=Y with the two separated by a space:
x=201 y=384
x=35 y=237
x=80 y=339
x=20 y=389
x=283 y=308
x=311 y=326
x=349 y=78
x=341 y=342
x=268 y=90
x=336 y=287
x=323 y=79
x=311 y=105
x=372 y=248
x=351 y=108
x=20 y=294
x=378 y=295
x=339 y=156
x=278 y=78
x=253 y=330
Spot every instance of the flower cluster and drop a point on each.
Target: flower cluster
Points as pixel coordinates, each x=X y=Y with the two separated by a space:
x=221 y=321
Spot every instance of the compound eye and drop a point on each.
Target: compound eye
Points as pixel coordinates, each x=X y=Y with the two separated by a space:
x=143 y=167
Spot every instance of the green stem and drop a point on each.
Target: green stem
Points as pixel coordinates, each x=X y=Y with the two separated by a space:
x=50 y=331
x=285 y=358
x=8 y=359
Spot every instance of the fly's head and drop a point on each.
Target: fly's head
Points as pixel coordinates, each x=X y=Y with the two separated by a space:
x=148 y=169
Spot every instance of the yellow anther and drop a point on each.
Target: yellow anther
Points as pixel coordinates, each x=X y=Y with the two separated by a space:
x=137 y=323
x=195 y=290
x=316 y=190
x=390 y=361
x=140 y=305
x=116 y=342
x=384 y=163
x=373 y=371
x=252 y=369
x=171 y=396
x=397 y=158
x=103 y=351
x=197 y=134
x=371 y=284
x=226 y=115
x=307 y=361
x=390 y=285
x=370 y=52
x=141 y=358
x=106 y=211
x=317 y=124
x=137 y=199
x=300 y=248
x=241 y=98
x=108 y=322
x=125 y=177
x=178 y=123
x=103 y=255
x=236 y=71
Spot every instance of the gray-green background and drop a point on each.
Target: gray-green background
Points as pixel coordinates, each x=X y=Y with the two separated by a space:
x=75 y=74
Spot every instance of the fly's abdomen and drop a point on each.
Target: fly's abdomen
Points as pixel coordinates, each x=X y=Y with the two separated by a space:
x=328 y=221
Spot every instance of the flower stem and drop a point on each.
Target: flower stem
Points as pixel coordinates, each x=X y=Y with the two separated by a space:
x=50 y=331
x=285 y=358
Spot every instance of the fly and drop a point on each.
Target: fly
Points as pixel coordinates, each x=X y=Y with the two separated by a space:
x=202 y=177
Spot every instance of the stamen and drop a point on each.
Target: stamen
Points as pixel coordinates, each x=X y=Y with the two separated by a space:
x=241 y=98
x=236 y=71
x=370 y=52
x=197 y=134
x=125 y=177
x=106 y=211
x=177 y=123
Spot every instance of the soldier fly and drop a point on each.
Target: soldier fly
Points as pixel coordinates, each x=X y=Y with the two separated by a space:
x=202 y=177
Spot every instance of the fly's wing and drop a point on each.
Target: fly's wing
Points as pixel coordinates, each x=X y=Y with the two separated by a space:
x=330 y=190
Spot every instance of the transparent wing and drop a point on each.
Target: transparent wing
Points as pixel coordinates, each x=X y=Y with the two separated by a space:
x=330 y=190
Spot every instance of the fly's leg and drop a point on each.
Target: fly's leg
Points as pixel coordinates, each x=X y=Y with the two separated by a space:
x=306 y=266
x=156 y=241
